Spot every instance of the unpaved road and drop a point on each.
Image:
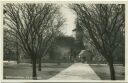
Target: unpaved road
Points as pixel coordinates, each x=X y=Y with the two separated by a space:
x=77 y=71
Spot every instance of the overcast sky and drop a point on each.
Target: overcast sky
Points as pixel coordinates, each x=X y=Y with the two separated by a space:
x=70 y=19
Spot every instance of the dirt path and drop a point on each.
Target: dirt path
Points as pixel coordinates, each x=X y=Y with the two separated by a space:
x=77 y=71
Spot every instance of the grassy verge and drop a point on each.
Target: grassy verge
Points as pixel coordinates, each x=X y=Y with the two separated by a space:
x=24 y=70
x=103 y=71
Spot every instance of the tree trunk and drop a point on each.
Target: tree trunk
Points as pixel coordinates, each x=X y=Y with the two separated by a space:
x=39 y=65
x=123 y=58
x=34 y=74
x=17 y=54
x=18 y=59
x=112 y=70
x=123 y=63
x=58 y=63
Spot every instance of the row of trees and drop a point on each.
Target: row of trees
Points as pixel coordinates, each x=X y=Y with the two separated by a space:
x=34 y=27
x=103 y=26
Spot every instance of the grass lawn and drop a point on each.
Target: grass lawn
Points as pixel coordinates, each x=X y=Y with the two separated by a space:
x=24 y=70
x=103 y=71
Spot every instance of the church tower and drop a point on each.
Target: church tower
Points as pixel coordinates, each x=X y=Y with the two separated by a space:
x=79 y=36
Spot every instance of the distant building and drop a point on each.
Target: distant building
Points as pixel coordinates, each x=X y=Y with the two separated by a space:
x=85 y=56
x=61 y=49
x=79 y=36
x=68 y=48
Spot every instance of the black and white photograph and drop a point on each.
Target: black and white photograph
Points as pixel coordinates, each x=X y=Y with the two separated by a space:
x=64 y=41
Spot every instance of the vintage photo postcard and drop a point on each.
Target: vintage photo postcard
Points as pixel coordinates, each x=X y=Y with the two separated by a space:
x=63 y=41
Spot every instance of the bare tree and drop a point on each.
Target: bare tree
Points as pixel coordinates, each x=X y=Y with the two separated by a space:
x=32 y=25
x=49 y=40
x=8 y=45
x=11 y=44
x=105 y=26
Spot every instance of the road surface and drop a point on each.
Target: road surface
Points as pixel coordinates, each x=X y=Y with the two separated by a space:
x=77 y=71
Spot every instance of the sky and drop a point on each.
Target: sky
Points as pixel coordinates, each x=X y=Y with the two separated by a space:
x=70 y=17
